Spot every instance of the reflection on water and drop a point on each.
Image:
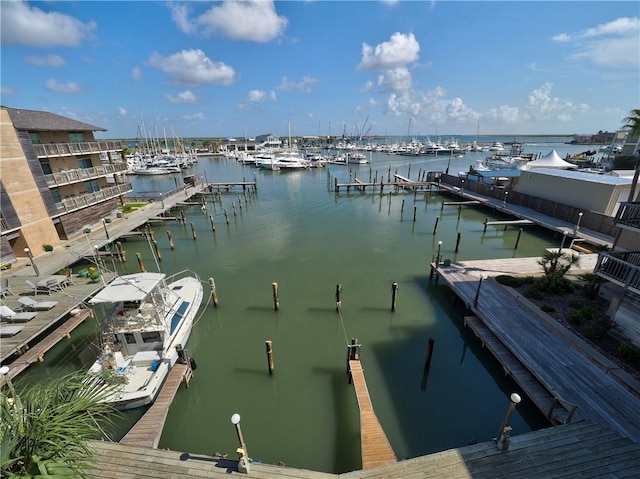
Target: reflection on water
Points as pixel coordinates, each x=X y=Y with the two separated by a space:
x=296 y=232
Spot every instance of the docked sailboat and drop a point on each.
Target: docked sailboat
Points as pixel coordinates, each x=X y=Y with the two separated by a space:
x=147 y=322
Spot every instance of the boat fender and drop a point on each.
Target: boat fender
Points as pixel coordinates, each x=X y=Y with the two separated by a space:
x=192 y=363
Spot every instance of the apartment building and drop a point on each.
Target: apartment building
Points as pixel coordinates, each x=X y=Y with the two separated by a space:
x=55 y=179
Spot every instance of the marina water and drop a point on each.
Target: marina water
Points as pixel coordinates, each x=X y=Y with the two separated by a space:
x=298 y=233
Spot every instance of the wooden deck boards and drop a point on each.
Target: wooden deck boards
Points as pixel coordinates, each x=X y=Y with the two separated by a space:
x=148 y=430
x=580 y=449
x=563 y=370
x=376 y=449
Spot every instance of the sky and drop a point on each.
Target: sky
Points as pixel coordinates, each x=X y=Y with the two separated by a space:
x=236 y=68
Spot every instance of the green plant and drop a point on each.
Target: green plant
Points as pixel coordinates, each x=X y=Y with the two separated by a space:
x=547 y=308
x=5 y=266
x=558 y=263
x=628 y=352
x=511 y=281
x=591 y=285
x=47 y=247
x=46 y=427
x=597 y=328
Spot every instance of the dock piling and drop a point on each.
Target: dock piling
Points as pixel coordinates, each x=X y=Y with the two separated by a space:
x=140 y=263
x=269 y=347
x=276 y=296
x=172 y=245
x=394 y=295
x=214 y=292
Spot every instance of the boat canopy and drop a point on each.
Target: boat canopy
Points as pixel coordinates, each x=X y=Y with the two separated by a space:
x=130 y=287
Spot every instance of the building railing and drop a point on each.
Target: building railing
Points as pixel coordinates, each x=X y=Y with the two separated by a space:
x=82 y=201
x=620 y=268
x=629 y=215
x=83 y=174
x=45 y=150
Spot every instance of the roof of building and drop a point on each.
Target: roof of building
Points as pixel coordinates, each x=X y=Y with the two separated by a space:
x=34 y=120
x=581 y=175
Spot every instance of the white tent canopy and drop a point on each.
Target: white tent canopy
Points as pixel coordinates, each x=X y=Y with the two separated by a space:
x=550 y=160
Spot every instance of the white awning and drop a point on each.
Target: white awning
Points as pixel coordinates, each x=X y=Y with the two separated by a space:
x=130 y=287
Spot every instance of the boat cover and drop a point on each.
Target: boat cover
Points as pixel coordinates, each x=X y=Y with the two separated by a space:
x=130 y=287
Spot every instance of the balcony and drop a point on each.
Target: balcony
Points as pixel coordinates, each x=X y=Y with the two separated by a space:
x=628 y=216
x=51 y=150
x=69 y=205
x=82 y=174
x=622 y=269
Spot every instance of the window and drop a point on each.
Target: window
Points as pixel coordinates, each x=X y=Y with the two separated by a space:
x=56 y=195
x=151 y=337
x=46 y=167
x=76 y=138
x=35 y=138
x=129 y=338
x=85 y=163
x=92 y=186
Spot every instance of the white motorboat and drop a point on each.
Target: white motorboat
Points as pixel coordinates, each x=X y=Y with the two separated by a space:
x=147 y=323
x=497 y=146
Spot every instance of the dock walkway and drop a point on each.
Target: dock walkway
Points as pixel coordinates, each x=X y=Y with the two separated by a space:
x=563 y=369
x=148 y=430
x=376 y=449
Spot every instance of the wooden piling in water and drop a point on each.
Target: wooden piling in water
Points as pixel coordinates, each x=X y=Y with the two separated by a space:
x=183 y=220
x=338 y=297
x=402 y=209
x=156 y=249
x=214 y=292
x=269 y=347
x=140 y=263
x=415 y=212
x=122 y=254
x=172 y=245
x=394 y=295
x=193 y=232
x=233 y=208
x=427 y=363
x=276 y=296
x=435 y=227
x=458 y=242
x=226 y=216
x=518 y=239
x=486 y=220
x=213 y=225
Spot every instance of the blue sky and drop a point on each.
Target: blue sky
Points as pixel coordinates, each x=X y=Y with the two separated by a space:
x=236 y=68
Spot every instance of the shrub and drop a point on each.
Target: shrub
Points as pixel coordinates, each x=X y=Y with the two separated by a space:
x=629 y=352
x=597 y=328
x=591 y=286
x=554 y=283
x=5 y=266
x=547 y=308
x=533 y=292
x=511 y=281
x=47 y=247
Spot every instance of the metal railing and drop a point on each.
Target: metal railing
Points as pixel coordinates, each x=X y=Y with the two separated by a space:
x=629 y=215
x=44 y=150
x=82 y=174
x=78 y=202
x=620 y=268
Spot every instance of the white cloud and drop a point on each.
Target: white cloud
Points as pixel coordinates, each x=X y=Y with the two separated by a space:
x=122 y=112
x=186 y=96
x=22 y=24
x=612 y=44
x=306 y=84
x=502 y=114
x=180 y=15
x=398 y=51
x=259 y=96
x=6 y=91
x=48 y=61
x=194 y=116
x=192 y=67
x=250 y=20
x=396 y=80
x=541 y=105
x=68 y=87
x=136 y=73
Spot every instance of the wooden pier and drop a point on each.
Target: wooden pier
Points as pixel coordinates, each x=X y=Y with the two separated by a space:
x=148 y=430
x=564 y=367
x=376 y=450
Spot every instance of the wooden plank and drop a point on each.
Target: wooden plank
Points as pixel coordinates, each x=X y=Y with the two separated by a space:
x=376 y=449
x=148 y=430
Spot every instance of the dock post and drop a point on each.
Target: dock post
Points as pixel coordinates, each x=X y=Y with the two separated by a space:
x=353 y=354
x=459 y=211
x=106 y=232
x=269 y=347
x=402 y=209
x=183 y=220
x=172 y=245
x=518 y=239
x=486 y=220
x=338 y=297
x=214 y=292
x=458 y=242
x=213 y=225
x=226 y=216
x=477 y=296
x=427 y=363
x=193 y=232
x=233 y=208
x=502 y=438
x=394 y=295
x=122 y=254
x=415 y=212
x=140 y=263
x=156 y=249
x=435 y=228
x=276 y=296
x=239 y=201
x=335 y=185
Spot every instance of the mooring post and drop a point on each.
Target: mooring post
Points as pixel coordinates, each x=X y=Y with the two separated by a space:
x=183 y=220
x=156 y=248
x=213 y=225
x=415 y=212
x=427 y=363
x=193 y=232
x=226 y=216
x=140 y=263
x=486 y=220
x=233 y=208
x=459 y=211
x=518 y=239
x=269 y=348
x=353 y=354
x=458 y=242
x=394 y=295
x=435 y=227
x=402 y=209
x=171 y=243
x=214 y=292
x=338 y=297
x=122 y=254
x=276 y=296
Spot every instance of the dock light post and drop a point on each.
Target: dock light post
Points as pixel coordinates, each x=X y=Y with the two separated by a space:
x=502 y=440
x=33 y=263
x=504 y=199
x=438 y=255
x=243 y=461
x=475 y=300
x=564 y=237
x=462 y=187
x=577 y=226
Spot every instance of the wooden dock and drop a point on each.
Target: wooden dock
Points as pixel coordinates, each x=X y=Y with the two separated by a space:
x=565 y=368
x=148 y=430
x=579 y=449
x=376 y=450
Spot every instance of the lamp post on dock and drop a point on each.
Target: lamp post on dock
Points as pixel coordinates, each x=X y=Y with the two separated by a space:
x=502 y=439
x=33 y=263
x=438 y=255
x=243 y=461
x=475 y=299
x=504 y=199
x=577 y=226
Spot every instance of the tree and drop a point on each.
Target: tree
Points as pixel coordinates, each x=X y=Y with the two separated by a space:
x=633 y=123
x=46 y=428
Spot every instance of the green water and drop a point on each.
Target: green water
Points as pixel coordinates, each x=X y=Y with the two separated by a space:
x=296 y=232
